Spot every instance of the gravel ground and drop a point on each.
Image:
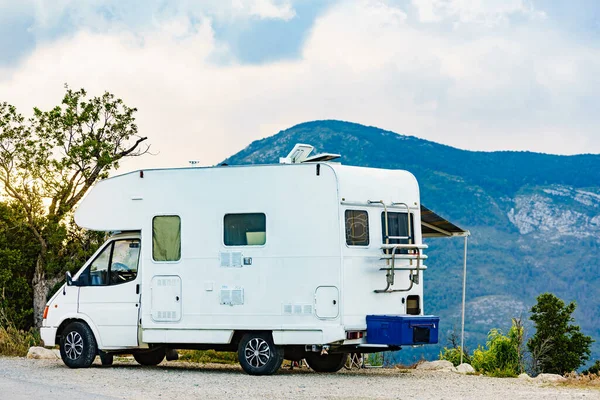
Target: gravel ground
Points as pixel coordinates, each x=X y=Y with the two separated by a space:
x=48 y=379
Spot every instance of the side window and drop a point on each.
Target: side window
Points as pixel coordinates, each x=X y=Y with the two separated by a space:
x=245 y=229
x=166 y=238
x=98 y=270
x=124 y=262
x=357 y=228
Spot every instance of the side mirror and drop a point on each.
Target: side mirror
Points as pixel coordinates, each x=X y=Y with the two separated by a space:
x=69 y=278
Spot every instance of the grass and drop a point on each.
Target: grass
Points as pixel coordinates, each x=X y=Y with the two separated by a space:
x=408 y=366
x=208 y=356
x=502 y=373
x=583 y=380
x=15 y=342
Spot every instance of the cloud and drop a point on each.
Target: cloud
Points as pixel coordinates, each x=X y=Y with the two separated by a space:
x=49 y=20
x=136 y=13
x=520 y=86
x=267 y=9
x=486 y=12
x=25 y=24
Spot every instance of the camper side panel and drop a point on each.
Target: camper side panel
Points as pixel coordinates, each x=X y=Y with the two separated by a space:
x=260 y=250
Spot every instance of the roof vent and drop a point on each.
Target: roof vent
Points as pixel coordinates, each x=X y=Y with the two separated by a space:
x=301 y=152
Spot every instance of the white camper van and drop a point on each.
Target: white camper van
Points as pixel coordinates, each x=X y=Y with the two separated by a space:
x=306 y=259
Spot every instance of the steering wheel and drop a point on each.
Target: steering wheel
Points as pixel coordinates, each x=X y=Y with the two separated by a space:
x=117 y=266
x=119 y=272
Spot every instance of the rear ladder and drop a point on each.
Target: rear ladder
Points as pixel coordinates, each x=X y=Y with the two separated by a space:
x=390 y=253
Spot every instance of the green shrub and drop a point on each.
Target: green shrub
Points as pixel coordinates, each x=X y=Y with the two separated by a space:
x=15 y=342
x=208 y=356
x=502 y=373
x=594 y=369
x=452 y=354
x=502 y=356
x=375 y=359
x=558 y=346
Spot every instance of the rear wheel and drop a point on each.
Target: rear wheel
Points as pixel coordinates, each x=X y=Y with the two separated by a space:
x=294 y=353
x=326 y=362
x=172 y=355
x=258 y=355
x=150 y=357
x=78 y=345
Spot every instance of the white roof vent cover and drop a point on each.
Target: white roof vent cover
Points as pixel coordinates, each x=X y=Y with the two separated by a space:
x=301 y=152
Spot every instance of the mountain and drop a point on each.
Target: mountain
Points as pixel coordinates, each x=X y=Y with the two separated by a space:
x=534 y=221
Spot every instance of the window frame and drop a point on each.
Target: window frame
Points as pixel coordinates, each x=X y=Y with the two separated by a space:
x=87 y=271
x=112 y=254
x=254 y=246
x=180 y=239
x=411 y=221
x=360 y=246
x=411 y=234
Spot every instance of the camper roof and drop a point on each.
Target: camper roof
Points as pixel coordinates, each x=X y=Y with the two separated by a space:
x=114 y=203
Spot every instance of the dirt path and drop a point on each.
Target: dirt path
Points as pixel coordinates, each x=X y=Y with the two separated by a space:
x=30 y=379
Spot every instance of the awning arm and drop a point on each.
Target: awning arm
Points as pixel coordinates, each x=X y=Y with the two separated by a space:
x=435 y=228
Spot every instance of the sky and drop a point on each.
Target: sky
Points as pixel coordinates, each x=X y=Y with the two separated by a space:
x=209 y=77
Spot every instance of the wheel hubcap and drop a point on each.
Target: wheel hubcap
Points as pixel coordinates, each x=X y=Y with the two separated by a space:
x=257 y=352
x=73 y=345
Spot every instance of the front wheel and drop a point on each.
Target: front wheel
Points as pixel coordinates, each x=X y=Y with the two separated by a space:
x=258 y=355
x=150 y=357
x=326 y=362
x=78 y=345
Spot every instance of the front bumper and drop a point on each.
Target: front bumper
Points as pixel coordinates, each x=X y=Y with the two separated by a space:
x=48 y=334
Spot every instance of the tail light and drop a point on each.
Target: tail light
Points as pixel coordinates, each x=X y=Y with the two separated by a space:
x=45 y=312
x=354 y=335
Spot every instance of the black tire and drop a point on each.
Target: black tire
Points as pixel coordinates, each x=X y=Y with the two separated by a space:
x=258 y=355
x=294 y=353
x=150 y=357
x=327 y=362
x=172 y=355
x=78 y=345
x=106 y=358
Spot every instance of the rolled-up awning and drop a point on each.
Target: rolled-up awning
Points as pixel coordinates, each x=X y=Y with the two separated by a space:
x=432 y=225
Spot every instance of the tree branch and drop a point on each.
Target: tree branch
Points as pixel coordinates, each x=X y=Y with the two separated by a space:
x=131 y=149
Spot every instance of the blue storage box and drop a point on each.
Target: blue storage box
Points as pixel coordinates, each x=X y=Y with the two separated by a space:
x=398 y=330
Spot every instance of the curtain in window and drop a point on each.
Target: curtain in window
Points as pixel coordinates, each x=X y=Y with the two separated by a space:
x=357 y=228
x=166 y=238
x=397 y=226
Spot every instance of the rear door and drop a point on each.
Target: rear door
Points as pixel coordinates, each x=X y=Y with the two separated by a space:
x=109 y=294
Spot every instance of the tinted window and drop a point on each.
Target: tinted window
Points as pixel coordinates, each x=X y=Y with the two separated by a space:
x=166 y=238
x=397 y=226
x=245 y=229
x=357 y=228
